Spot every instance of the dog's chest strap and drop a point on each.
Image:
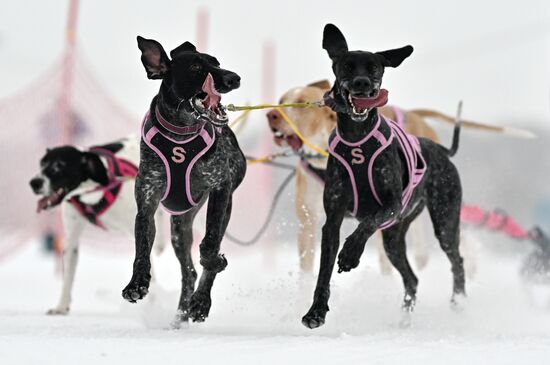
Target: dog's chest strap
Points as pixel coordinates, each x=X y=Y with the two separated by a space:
x=358 y=158
x=117 y=169
x=179 y=158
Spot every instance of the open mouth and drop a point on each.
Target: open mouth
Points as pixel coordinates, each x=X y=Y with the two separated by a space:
x=286 y=140
x=361 y=105
x=51 y=200
x=209 y=101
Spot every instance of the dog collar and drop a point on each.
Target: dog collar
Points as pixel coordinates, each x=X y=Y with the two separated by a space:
x=191 y=129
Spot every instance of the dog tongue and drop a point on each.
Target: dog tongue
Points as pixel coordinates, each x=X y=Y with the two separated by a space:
x=368 y=103
x=294 y=142
x=213 y=97
x=42 y=204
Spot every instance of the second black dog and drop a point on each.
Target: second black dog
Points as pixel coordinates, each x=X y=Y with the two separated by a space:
x=187 y=155
x=385 y=184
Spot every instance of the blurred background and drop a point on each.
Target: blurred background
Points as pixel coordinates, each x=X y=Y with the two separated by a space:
x=76 y=77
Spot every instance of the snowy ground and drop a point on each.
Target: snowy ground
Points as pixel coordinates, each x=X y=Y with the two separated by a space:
x=255 y=319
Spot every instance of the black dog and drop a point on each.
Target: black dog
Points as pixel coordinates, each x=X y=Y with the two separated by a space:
x=185 y=120
x=377 y=197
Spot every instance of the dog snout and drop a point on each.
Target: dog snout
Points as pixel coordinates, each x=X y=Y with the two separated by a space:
x=36 y=184
x=361 y=84
x=273 y=118
x=231 y=80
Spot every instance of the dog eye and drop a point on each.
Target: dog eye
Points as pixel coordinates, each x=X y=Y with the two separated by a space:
x=348 y=66
x=195 y=67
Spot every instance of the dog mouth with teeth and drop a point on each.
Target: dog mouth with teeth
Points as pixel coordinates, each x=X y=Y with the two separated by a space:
x=208 y=102
x=282 y=139
x=51 y=200
x=361 y=104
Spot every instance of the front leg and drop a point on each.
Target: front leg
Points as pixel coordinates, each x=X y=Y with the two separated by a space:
x=217 y=218
x=73 y=225
x=335 y=200
x=150 y=183
x=354 y=246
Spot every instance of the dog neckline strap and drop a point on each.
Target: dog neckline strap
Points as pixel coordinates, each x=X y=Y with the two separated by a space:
x=117 y=169
x=179 y=157
x=180 y=130
x=358 y=158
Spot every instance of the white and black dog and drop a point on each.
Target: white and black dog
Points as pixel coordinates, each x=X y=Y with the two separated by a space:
x=188 y=155
x=93 y=187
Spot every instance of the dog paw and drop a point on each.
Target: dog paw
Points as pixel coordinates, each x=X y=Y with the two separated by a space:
x=181 y=320
x=347 y=260
x=199 y=306
x=409 y=301
x=215 y=263
x=58 y=311
x=136 y=290
x=315 y=317
x=458 y=303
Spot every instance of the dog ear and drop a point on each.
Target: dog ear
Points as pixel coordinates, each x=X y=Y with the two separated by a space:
x=334 y=41
x=154 y=58
x=184 y=47
x=94 y=168
x=322 y=84
x=394 y=57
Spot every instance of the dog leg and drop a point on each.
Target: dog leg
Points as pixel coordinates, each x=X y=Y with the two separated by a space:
x=217 y=218
x=354 y=246
x=444 y=203
x=74 y=226
x=148 y=191
x=335 y=202
x=182 y=241
x=396 y=249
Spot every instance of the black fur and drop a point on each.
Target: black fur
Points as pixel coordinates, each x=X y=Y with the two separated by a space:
x=63 y=169
x=360 y=73
x=218 y=174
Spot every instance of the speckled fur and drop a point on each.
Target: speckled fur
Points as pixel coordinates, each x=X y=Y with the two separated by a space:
x=440 y=189
x=216 y=176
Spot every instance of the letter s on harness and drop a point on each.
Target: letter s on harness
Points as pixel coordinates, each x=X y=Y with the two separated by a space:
x=357 y=153
x=178 y=154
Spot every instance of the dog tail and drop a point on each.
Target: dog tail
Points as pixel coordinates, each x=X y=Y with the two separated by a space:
x=433 y=114
x=456 y=133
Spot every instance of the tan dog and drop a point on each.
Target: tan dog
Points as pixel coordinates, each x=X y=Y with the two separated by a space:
x=316 y=124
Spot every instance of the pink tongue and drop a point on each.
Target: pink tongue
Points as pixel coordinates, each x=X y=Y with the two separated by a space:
x=42 y=204
x=367 y=103
x=294 y=142
x=213 y=97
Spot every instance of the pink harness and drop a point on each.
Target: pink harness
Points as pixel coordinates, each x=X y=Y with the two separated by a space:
x=358 y=158
x=179 y=157
x=117 y=168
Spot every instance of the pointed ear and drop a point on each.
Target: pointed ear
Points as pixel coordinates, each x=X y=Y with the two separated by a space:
x=334 y=41
x=94 y=168
x=394 y=57
x=153 y=57
x=322 y=84
x=185 y=47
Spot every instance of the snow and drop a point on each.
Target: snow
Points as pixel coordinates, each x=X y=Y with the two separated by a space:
x=257 y=306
